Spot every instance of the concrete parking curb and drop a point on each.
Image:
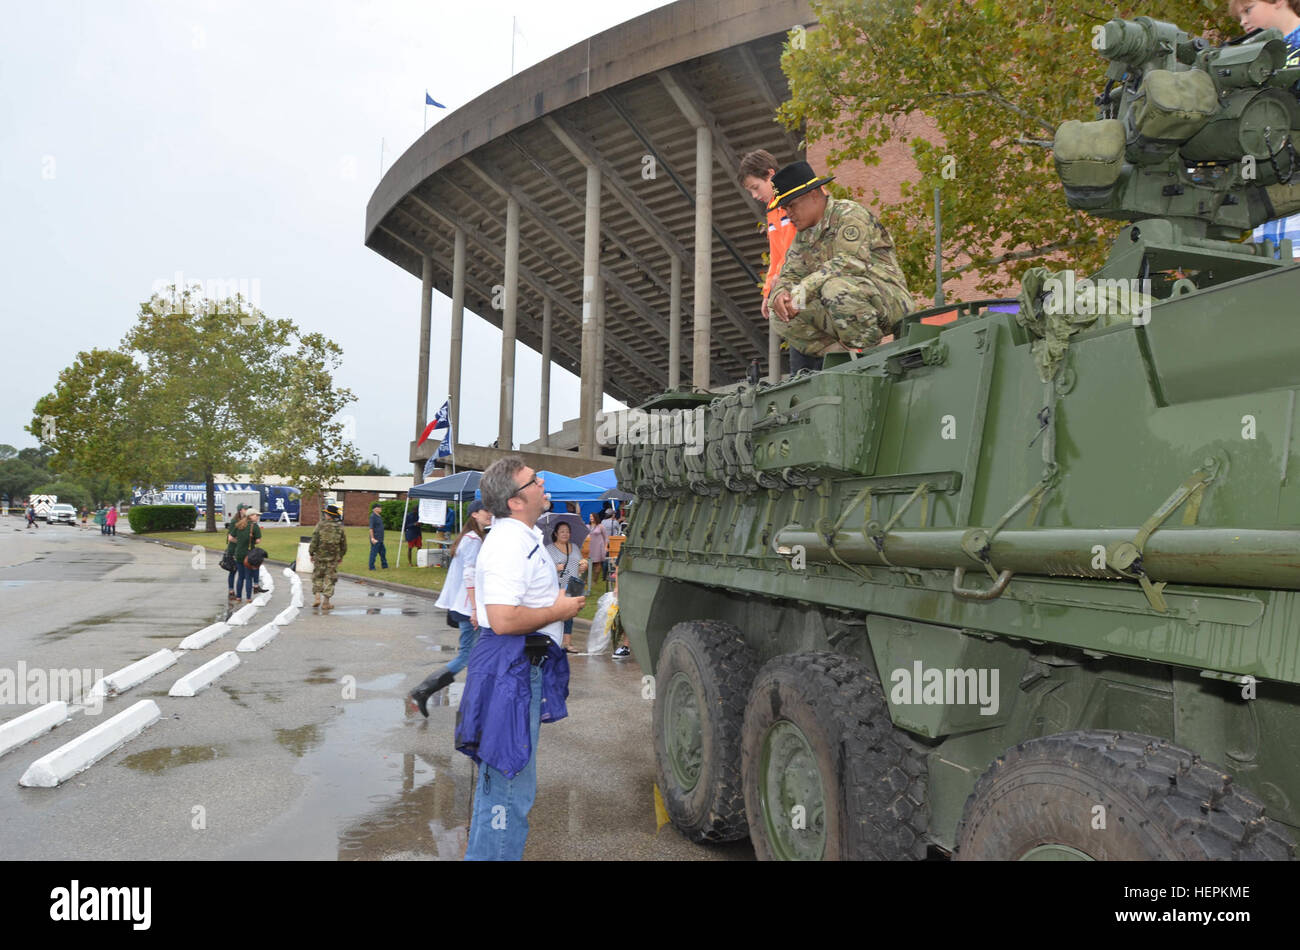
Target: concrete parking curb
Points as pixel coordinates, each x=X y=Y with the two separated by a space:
x=258 y=638
x=29 y=725
x=85 y=750
x=194 y=682
x=200 y=639
x=128 y=676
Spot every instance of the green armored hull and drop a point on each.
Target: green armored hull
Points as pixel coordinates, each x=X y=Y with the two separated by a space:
x=1008 y=587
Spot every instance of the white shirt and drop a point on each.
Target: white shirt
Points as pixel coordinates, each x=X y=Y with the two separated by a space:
x=460 y=576
x=514 y=570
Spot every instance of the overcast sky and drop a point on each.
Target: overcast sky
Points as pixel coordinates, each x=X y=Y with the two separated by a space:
x=235 y=139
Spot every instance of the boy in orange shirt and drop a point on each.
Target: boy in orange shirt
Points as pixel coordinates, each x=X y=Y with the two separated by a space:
x=756 y=171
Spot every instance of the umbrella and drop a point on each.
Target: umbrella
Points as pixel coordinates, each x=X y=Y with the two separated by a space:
x=577 y=530
x=615 y=495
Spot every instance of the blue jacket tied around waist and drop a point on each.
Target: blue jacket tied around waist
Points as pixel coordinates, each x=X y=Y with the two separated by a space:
x=492 y=724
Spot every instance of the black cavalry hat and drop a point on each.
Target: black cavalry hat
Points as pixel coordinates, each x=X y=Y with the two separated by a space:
x=794 y=180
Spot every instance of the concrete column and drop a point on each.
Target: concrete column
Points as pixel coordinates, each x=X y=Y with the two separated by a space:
x=590 y=271
x=422 y=374
x=675 y=325
x=457 y=331
x=509 y=317
x=546 y=372
x=703 y=255
x=773 y=351
x=598 y=363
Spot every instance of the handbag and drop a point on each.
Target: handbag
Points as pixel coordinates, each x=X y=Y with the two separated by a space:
x=228 y=562
x=575 y=587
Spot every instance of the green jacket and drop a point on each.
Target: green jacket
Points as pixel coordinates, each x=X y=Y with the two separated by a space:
x=328 y=541
x=245 y=538
x=847 y=242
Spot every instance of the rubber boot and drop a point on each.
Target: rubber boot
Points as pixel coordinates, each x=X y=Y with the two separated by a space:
x=326 y=605
x=420 y=695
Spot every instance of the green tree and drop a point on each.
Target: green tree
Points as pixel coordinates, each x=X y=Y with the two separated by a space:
x=68 y=491
x=997 y=79
x=7 y=452
x=194 y=387
x=365 y=468
x=18 y=478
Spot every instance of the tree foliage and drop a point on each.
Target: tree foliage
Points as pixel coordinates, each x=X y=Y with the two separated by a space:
x=195 y=387
x=996 y=78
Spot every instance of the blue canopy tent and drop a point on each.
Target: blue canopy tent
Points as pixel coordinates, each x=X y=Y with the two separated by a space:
x=562 y=488
x=608 y=481
x=456 y=487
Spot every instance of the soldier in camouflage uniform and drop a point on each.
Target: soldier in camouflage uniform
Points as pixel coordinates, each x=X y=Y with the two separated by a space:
x=328 y=545
x=841 y=285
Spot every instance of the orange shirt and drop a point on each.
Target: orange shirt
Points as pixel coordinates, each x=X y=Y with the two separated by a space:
x=780 y=235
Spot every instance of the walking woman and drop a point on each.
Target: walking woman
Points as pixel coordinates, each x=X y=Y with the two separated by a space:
x=568 y=563
x=457 y=599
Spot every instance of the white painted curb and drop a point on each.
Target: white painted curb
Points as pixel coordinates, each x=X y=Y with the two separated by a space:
x=289 y=574
x=85 y=750
x=261 y=600
x=285 y=617
x=241 y=616
x=296 y=599
x=264 y=576
x=258 y=638
x=191 y=683
x=29 y=725
x=197 y=641
x=133 y=675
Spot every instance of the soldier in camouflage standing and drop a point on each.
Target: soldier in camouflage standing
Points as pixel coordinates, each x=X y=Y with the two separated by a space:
x=328 y=545
x=840 y=286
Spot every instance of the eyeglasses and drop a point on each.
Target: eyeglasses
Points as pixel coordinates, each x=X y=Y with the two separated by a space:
x=535 y=480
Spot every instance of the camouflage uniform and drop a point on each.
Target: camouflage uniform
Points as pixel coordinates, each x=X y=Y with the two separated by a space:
x=328 y=545
x=845 y=280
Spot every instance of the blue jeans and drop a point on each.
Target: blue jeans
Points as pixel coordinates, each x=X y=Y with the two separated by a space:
x=499 y=828
x=244 y=582
x=468 y=637
x=378 y=548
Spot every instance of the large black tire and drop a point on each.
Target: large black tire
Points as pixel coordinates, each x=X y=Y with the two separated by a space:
x=701 y=681
x=866 y=779
x=1158 y=802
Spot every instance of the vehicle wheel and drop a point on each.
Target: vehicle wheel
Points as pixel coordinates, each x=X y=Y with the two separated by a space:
x=827 y=774
x=703 y=675
x=1108 y=796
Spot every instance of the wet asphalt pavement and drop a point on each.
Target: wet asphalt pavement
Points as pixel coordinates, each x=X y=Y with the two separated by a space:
x=305 y=750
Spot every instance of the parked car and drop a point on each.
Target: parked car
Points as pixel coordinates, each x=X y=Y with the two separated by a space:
x=62 y=513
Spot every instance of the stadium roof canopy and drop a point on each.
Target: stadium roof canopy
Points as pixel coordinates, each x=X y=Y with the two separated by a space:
x=628 y=102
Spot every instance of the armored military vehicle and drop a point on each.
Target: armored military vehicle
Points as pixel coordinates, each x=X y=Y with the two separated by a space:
x=1024 y=585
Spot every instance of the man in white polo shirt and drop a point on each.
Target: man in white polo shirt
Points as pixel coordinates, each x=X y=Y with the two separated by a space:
x=518 y=676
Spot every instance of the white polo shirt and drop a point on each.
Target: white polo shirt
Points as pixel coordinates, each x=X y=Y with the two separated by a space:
x=513 y=569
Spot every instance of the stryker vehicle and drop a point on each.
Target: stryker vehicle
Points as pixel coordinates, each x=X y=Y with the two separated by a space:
x=1023 y=585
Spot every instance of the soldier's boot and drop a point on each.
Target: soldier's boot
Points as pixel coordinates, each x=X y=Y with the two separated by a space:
x=316 y=602
x=419 y=696
x=325 y=604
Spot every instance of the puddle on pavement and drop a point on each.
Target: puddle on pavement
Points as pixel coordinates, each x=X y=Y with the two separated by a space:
x=83 y=625
x=365 y=803
x=235 y=695
x=381 y=611
x=437 y=647
x=14 y=583
x=299 y=741
x=389 y=682
x=160 y=760
x=320 y=675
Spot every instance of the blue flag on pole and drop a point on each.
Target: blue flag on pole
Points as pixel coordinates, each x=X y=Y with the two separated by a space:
x=429 y=100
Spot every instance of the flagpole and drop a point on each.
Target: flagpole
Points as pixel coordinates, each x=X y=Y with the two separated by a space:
x=514 y=26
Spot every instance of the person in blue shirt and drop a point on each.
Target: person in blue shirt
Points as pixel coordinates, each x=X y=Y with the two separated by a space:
x=377 y=538
x=1283 y=15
